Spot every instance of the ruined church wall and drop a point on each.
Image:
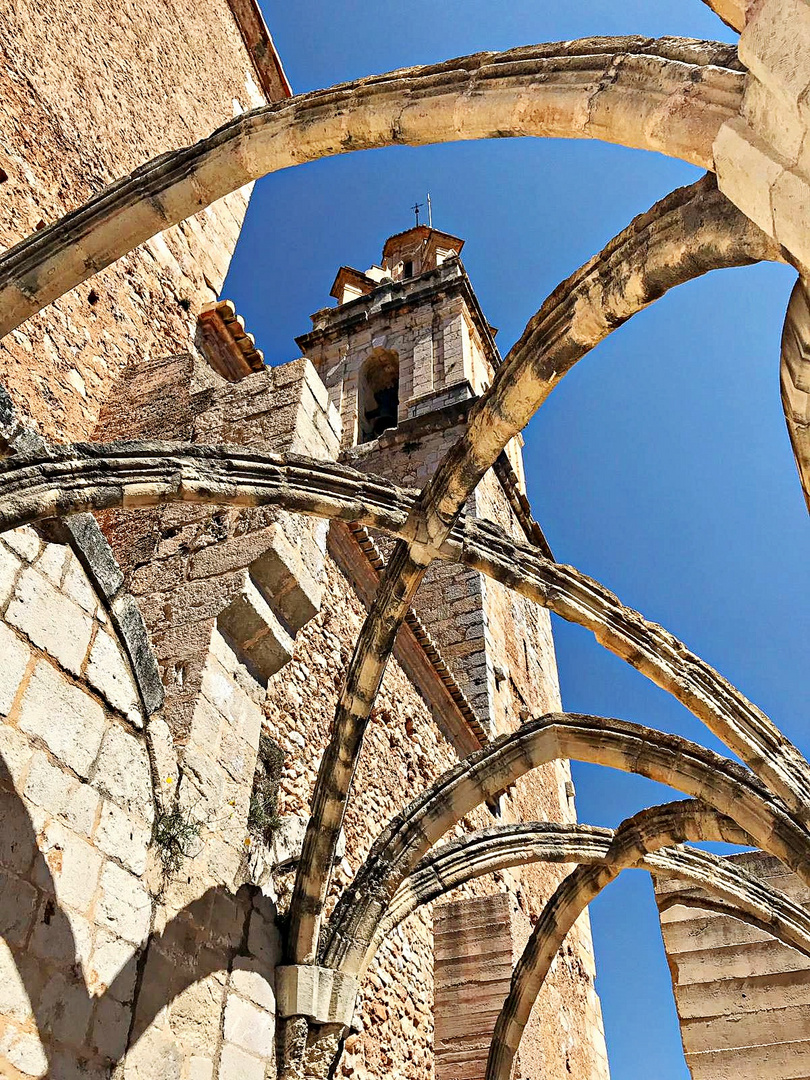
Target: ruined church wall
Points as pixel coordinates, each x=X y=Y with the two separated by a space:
x=202 y=1003
x=405 y=751
x=101 y=946
x=107 y=959
x=743 y=998
x=89 y=92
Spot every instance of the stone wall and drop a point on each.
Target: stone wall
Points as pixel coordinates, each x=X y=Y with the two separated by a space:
x=477 y=942
x=88 y=92
x=743 y=998
x=474 y=954
x=405 y=750
x=103 y=948
x=256 y=572
x=77 y=812
x=205 y=1006
x=200 y=1001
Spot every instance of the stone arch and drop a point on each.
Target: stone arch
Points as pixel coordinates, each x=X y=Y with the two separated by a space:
x=67 y=479
x=633 y=270
x=734 y=892
x=377 y=394
x=795 y=379
x=632 y=841
x=729 y=788
x=671 y=95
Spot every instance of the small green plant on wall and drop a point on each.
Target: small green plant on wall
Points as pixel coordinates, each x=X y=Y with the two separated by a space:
x=174 y=836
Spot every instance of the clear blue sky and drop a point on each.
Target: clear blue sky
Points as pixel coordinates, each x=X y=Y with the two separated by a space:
x=661 y=465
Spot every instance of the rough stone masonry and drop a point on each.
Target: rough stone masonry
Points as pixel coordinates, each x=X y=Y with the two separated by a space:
x=232 y=734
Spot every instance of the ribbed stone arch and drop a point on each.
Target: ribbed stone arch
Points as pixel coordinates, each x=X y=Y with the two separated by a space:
x=690 y=232
x=670 y=95
x=642 y=842
x=68 y=479
x=633 y=839
x=727 y=787
x=730 y=889
x=503 y=847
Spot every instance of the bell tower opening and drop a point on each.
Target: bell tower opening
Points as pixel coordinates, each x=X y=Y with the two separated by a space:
x=378 y=395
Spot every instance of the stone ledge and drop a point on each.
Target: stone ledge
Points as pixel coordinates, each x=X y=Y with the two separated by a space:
x=249 y=623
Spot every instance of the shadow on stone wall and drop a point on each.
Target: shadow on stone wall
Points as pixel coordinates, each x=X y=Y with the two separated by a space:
x=68 y=1015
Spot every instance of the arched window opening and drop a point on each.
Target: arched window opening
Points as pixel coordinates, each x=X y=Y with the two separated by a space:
x=378 y=395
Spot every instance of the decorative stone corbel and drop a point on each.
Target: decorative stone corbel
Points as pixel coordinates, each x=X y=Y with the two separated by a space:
x=318 y=993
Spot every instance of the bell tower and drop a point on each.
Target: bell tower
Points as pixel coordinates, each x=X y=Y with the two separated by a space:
x=404 y=354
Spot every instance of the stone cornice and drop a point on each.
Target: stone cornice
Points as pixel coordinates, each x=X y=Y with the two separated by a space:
x=446 y=280
x=261 y=49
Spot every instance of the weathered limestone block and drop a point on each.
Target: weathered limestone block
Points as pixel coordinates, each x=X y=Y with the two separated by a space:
x=124 y=905
x=250 y=624
x=59 y=793
x=73 y=864
x=70 y=723
x=236 y=1064
x=761 y=156
x=288 y=839
x=122 y=837
x=323 y=994
x=112 y=677
x=50 y=620
x=24 y=1052
x=24 y=542
x=9 y=569
x=249 y=1028
x=16 y=656
x=123 y=773
x=293 y=587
